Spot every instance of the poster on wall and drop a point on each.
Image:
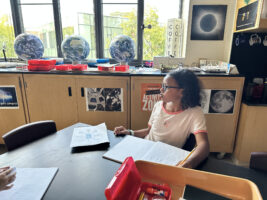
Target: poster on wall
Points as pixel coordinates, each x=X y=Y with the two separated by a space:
x=247 y=15
x=208 y=22
x=8 y=97
x=104 y=99
x=205 y=100
x=150 y=94
x=222 y=101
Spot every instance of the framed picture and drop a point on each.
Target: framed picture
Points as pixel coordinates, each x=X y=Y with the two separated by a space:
x=208 y=22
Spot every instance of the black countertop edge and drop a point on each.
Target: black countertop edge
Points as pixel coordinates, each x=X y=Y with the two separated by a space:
x=113 y=73
x=254 y=103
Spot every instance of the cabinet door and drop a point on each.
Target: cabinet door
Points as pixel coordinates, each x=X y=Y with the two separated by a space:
x=222 y=126
x=103 y=99
x=12 y=109
x=51 y=97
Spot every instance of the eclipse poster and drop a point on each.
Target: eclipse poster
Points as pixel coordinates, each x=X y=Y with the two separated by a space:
x=8 y=97
x=208 y=22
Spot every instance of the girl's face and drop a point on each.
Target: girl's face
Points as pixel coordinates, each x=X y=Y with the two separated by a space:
x=170 y=91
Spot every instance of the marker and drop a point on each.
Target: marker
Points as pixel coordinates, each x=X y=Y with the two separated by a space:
x=154 y=191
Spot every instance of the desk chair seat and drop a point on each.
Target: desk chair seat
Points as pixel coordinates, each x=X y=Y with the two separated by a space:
x=258 y=160
x=190 y=143
x=28 y=133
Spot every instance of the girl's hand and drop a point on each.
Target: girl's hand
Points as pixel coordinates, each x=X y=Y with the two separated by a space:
x=186 y=164
x=120 y=130
x=7 y=176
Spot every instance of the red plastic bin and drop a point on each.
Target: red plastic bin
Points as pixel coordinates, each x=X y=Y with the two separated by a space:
x=64 y=67
x=127 y=184
x=122 y=68
x=79 y=67
x=41 y=62
x=40 y=67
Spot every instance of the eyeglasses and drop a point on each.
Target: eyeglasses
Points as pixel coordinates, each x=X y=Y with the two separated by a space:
x=165 y=87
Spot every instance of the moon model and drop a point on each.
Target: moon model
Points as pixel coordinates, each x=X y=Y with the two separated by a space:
x=222 y=101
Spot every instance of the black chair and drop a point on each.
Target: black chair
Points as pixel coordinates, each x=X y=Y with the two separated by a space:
x=258 y=160
x=28 y=133
x=190 y=143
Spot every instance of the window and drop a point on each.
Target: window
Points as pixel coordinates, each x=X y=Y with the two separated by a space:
x=78 y=19
x=7 y=35
x=119 y=19
x=157 y=13
x=38 y=19
x=98 y=21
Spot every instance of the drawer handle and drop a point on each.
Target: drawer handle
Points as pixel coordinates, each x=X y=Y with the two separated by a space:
x=70 y=93
x=82 y=92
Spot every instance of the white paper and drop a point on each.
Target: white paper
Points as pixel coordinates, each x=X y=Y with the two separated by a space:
x=30 y=183
x=165 y=154
x=87 y=136
x=142 y=149
x=129 y=146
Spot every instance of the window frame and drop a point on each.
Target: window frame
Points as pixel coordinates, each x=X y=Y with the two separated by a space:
x=98 y=14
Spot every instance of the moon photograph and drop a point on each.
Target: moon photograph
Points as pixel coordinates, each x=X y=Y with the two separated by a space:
x=208 y=22
x=222 y=101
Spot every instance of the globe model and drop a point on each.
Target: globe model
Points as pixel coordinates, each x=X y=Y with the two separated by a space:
x=122 y=49
x=28 y=46
x=75 y=48
x=222 y=101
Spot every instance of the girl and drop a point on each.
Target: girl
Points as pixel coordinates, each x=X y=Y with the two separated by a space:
x=176 y=116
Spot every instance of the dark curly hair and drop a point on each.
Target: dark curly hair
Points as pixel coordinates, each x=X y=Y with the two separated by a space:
x=187 y=80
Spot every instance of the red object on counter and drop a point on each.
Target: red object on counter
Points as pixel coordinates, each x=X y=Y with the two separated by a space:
x=79 y=67
x=41 y=62
x=122 y=68
x=127 y=184
x=41 y=65
x=64 y=67
x=69 y=67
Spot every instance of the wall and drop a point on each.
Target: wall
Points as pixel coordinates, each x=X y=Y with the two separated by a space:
x=218 y=50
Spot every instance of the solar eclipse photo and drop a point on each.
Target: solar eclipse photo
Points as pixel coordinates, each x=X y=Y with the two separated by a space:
x=208 y=22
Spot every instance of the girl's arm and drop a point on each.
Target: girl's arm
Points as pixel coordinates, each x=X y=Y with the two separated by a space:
x=120 y=130
x=201 y=152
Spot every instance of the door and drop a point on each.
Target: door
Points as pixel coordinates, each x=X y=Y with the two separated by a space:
x=103 y=99
x=51 y=97
x=12 y=109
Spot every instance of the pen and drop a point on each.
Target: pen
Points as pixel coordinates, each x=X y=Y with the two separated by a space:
x=186 y=158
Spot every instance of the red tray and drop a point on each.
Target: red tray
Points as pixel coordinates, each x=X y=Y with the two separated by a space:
x=79 y=67
x=40 y=67
x=41 y=62
x=64 y=67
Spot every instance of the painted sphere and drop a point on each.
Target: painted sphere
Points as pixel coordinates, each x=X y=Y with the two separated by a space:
x=75 y=48
x=28 y=46
x=122 y=48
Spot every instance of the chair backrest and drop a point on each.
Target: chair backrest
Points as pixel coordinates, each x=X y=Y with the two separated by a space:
x=190 y=143
x=258 y=160
x=28 y=133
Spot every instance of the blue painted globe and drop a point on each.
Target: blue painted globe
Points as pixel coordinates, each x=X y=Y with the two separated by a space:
x=122 y=49
x=28 y=46
x=75 y=48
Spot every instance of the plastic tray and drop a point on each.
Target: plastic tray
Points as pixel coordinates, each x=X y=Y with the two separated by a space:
x=41 y=62
x=40 y=67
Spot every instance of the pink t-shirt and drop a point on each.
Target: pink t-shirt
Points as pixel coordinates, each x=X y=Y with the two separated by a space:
x=175 y=127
